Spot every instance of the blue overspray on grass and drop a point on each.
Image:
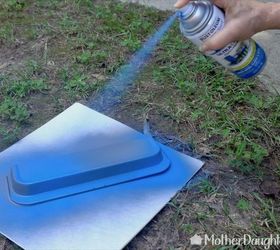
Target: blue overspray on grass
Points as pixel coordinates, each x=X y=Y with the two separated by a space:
x=113 y=91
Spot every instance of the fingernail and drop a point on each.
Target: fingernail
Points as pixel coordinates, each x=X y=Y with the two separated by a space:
x=203 y=48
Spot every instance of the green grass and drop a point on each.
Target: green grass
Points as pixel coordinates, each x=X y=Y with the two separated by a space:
x=243 y=205
x=15 y=93
x=270 y=213
x=85 y=57
x=188 y=228
x=80 y=86
x=22 y=88
x=9 y=136
x=7 y=33
x=207 y=187
x=83 y=44
x=14 y=110
x=245 y=119
x=12 y=5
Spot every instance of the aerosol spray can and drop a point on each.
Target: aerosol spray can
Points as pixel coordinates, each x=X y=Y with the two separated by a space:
x=199 y=20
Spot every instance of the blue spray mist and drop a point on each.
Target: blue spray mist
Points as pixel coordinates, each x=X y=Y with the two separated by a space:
x=111 y=94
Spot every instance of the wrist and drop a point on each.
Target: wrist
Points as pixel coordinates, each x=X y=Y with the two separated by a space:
x=269 y=16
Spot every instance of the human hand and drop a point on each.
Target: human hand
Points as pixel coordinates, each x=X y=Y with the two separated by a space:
x=181 y=3
x=243 y=19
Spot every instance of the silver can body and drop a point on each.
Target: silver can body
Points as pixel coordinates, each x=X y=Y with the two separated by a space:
x=200 y=20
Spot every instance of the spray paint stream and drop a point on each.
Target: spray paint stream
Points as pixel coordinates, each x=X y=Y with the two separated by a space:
x=111 y=94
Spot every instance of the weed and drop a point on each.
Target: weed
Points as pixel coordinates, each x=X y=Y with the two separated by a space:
x=25 y=87
x=84 y=58
x=242 y=166
x=69 y=25
x=197 y=114
x=12 y=5
x=269 y=213
x=131 y=43
x=9 y=136
x=13 y=110
x=79 y=86
x=86 y=3
x=77 y=83
x=64 y=74
x=33 y=68
x=207 y=187
x=187 y=87
x=203 y=64
x=188 y=228
x=247 y=155
x=7 y=33
x=226 y=208
x=243 y=204
x=99 y=57
x=52 y=5
x=201 y=216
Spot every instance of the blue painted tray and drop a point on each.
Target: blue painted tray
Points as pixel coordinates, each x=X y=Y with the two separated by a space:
x=41 y=177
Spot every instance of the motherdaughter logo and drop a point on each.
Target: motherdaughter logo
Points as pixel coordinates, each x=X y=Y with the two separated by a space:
x=225 y=240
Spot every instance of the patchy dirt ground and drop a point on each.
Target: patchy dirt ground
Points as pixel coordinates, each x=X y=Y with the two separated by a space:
x=54 y=53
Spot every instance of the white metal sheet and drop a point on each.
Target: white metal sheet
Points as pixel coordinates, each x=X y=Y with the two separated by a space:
x=102 y=219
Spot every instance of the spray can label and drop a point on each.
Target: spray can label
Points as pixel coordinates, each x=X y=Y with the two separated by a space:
x=254 y=62
x=244 y=59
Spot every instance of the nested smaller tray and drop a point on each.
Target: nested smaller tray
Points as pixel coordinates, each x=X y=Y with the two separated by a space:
x=41 y=177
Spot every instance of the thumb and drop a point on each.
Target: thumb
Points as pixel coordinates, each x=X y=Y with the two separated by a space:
x=224 y=37
x=220 y=3
x=181 y=3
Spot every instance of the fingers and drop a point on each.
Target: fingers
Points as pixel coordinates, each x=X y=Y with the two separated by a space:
x=224 y=37
x=220 y=3
x=181 y=3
